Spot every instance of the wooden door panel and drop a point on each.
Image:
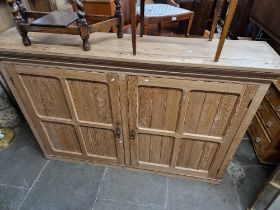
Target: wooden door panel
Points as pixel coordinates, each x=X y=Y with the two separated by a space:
x=158 y=107
x=100 y=142
x=155 y=149
x=91 y=101
x=208 y=113
x=196 y=154
x=182 y=126
x=47 y=95
x=63 y=137
x=77 y=113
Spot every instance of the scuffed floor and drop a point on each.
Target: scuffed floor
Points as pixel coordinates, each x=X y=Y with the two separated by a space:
x=29 y=181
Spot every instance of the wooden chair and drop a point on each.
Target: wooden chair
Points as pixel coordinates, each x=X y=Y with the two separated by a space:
x=157 y=13
x=63 y=22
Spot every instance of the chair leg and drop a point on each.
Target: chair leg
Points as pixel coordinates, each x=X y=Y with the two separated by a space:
x=189 y=25
x=18 y=10
x=159 y=27
x=83 y=25
x=142 y=11
x=118 y=15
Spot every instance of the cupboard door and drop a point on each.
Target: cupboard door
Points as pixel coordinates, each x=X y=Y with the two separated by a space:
x=184 y=126
x=77 y=114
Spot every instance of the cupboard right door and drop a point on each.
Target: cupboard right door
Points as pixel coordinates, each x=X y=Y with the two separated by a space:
x=184 y=126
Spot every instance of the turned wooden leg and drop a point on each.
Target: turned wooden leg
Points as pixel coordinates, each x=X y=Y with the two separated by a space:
x=83 y=25
x=189 y=25
x=142 y=11
x=18 y=10
x=133 y=21
x=159 y=27
x=118 y=15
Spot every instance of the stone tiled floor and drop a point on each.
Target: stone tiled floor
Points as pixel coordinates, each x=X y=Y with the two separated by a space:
x=29 y=181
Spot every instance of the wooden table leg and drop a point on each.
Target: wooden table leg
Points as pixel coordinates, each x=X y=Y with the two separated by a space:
x=118 y=14
x=17 y=9
x=231 y=11
x=83 y=25
x=133 y=24
x=142 y=11
x=217 y=13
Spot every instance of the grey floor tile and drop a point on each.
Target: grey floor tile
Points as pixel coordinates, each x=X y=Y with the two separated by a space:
x=255 y=178
x=65 y=186
x=113 y=205
x=11 y=197
x=129 y=186
x=245 y=155
x=21 y=162
x=187 y=194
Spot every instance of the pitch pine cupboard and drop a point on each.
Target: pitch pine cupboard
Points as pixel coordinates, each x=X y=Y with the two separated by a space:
x=127 y=113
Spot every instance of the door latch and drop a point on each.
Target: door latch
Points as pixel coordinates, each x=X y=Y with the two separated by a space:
x=132 y=134
x=118 y=133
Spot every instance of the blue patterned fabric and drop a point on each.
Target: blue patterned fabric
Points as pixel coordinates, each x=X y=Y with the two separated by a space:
x=159 y=10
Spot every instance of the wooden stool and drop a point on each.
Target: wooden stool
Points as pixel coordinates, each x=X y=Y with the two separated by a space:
x=64 y=22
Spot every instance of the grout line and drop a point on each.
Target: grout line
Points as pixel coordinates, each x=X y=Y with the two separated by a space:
x=99 y=187
x=36 y=180
x=167 y=193
x=151 y=206
x=14 y=186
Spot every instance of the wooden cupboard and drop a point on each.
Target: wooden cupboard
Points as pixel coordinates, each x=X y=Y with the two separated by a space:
x=138 y=112
x=176 y=126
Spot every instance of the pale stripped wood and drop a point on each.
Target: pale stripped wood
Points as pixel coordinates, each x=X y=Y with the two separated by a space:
x=144 y=147
x=158 y=107
x=155 y=149
x=184 y=153
x=91 y=100
x=223 y=115
x=132 y=107
x=47 y=96
x=241 y=110
x=209 y=152
x=145 y=106
x=167 y=147
x=172 y=109
x=195 y=104
x=208 y=113
x=63 y=137
x=195 y=154
x=99 y=142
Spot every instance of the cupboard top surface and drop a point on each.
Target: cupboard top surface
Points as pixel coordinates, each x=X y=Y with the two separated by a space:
x=238 y=57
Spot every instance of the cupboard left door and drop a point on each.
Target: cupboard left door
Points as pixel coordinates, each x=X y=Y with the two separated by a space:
x=72 y=111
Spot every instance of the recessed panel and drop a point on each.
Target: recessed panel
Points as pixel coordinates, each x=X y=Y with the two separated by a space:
x=158 y=108
x=155 y=149
x=99 y=142
x=62 y=137
x=47 y=96
x=196 y=154
x=208 y=113
x=91 y=101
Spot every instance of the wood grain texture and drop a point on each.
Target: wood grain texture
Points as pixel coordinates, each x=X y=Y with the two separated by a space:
x=91 y=100
x=62 y=137
x=47 y=96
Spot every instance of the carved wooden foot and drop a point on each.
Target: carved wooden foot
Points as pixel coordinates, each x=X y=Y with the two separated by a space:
x=118 y=14
x=86 y=45
x=25 y=40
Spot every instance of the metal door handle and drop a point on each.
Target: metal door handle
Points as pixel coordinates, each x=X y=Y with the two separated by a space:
x=258 y=140
x=269 y=124
x=118 y=132
x=132 y=134
x=278 y=108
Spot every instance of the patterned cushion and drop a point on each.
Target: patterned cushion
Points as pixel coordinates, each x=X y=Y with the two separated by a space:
x=159 y=10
